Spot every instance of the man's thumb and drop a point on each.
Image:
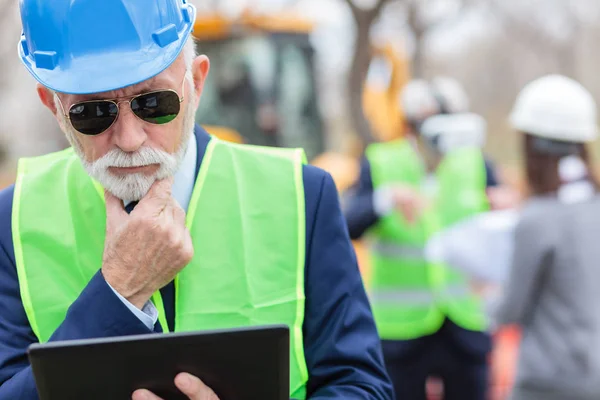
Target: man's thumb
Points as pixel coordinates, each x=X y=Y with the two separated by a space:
x=159 y=193
x=114 y=208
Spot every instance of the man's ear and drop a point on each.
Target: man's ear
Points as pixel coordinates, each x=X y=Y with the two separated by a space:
x=47 y=98
x=200 y=68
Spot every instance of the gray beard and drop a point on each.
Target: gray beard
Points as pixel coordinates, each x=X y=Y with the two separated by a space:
x=133 y=187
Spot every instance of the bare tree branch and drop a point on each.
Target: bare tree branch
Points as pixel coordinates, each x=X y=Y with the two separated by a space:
x=370 y=14
x=464 y=4
x=536 y=40
x=360 y=65
x=379 y=7
x=355 y=10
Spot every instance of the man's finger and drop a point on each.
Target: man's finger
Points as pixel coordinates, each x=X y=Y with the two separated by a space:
x=112 y=202
x=162 y=188
x=160 y=192
x=178 y=213
x=194 y=388
x=114 y=209
x=409 y=213
x=144 y=394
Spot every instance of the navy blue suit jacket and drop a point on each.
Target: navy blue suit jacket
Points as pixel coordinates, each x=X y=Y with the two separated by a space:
x=342 y=347
x=360 y=216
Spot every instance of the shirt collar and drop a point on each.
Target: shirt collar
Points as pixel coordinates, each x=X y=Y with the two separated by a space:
x=185 y=178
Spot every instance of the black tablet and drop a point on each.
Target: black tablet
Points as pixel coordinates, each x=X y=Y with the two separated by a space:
x=238 y=364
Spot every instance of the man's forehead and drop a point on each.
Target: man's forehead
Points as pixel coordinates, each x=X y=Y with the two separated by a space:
x=154 y=83
x=170 y=78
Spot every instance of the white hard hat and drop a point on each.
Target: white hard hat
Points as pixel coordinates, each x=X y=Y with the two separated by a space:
x=452 y=94
x=454 y=131
x=556 y=107
x=417 y=100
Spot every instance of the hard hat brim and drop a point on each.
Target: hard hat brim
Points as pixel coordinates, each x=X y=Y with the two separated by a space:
x=108 y=71
x=548 y=130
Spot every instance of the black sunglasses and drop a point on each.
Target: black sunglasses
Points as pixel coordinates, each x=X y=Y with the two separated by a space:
x=97 y=116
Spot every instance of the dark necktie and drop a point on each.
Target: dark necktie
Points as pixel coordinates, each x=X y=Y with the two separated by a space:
x=129 y=208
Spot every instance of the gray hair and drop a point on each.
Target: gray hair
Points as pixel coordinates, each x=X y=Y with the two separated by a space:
x=189 y=53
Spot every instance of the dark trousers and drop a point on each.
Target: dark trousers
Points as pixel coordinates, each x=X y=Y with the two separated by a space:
x=456 y=356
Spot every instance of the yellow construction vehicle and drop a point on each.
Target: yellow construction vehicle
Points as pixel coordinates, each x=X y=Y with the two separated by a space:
x=262 y=83
x=262 y=88
x=388 y=73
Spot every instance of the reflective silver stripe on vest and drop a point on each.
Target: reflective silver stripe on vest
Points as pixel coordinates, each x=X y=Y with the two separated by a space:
x=415 y=297
x=397 y=251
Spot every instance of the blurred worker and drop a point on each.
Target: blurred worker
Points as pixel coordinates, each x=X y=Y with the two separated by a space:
x=448 y=133
x=453 y=99
x=264 y=243
x=450 y=95
x=409 y=189
x=552 y=290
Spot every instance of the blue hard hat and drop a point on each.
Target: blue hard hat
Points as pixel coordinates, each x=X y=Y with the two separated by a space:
x=93 y=46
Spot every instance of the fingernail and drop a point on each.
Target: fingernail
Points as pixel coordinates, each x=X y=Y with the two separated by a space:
x=140 y=395
x=184 y=381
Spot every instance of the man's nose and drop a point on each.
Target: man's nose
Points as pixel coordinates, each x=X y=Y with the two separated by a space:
x=128 y=134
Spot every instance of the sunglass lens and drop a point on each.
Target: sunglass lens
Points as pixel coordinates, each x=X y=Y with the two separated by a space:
x=93 y=117
x=158 y=107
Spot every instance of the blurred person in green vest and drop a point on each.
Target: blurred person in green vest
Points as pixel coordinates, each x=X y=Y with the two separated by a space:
x=430 y=322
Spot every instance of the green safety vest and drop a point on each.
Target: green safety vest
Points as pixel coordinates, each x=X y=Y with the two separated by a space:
x=247 y=201
x=411 y=297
